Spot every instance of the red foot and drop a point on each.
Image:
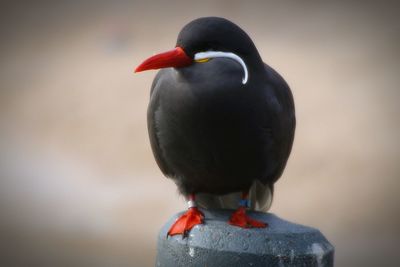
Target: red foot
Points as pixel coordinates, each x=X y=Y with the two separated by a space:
x=186 y=222
x=240 y=218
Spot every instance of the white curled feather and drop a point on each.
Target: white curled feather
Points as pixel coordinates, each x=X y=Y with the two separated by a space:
x=215 y=54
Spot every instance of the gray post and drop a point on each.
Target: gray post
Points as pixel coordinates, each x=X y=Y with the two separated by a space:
x=216 y=243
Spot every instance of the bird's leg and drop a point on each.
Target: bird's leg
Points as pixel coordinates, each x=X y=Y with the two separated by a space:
x=240 y=218
x=188 y=220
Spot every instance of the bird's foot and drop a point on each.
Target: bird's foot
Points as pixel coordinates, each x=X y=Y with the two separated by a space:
x=193 y=216
x=239 y=218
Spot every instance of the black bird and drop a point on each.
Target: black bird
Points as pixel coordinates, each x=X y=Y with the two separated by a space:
x=219 y=119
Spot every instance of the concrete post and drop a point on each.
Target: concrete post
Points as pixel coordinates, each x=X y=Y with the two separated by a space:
x=216 y=243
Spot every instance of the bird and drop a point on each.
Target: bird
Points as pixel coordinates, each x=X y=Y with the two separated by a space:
x=221 y=122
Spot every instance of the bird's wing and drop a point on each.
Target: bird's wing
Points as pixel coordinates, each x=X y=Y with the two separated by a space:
x=283 y=121
x=153 y=107
x=279 y=122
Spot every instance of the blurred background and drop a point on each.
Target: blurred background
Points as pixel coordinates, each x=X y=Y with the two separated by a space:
x=78 y=183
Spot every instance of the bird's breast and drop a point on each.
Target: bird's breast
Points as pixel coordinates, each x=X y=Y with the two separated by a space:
x=210 y=124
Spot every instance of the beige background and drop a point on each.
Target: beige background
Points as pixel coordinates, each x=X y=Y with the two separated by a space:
x=78 y=183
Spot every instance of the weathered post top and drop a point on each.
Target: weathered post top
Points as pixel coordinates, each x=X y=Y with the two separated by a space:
x=216 y=243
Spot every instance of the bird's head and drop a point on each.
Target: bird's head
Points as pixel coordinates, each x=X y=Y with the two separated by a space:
x=204 y=39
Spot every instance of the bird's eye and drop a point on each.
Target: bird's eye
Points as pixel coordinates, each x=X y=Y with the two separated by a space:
x=203 y=60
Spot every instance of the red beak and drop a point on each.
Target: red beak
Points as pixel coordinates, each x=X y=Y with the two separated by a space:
x=176 y=58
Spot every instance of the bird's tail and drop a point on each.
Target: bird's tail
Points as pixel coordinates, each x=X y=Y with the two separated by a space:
x=260 y=197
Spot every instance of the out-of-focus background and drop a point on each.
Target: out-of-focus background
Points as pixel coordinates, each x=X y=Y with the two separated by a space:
x=78 y=183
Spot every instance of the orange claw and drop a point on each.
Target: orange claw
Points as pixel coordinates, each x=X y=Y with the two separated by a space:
x=193 y=216
x=239 y=218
